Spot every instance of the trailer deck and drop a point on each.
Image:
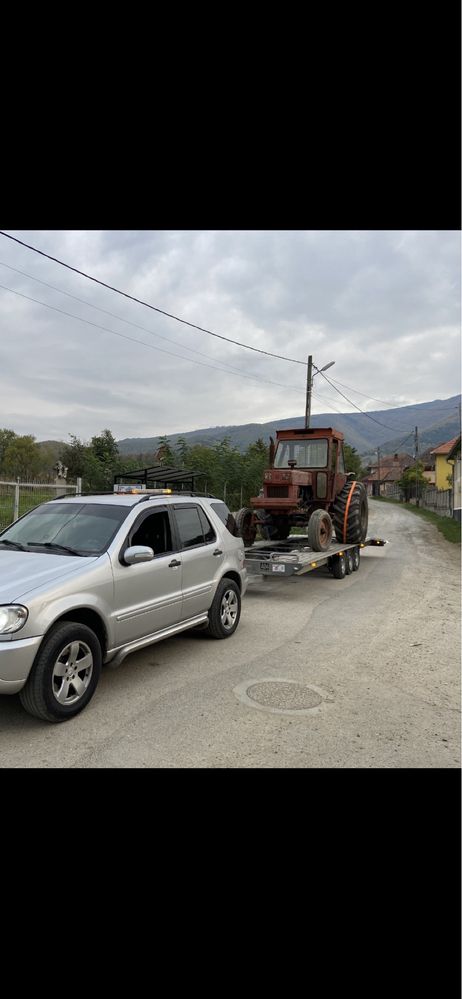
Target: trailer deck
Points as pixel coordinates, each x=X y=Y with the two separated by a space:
x=294 y=557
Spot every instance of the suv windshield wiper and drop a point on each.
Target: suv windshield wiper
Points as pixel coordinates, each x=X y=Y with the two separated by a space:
x=53 y=544
x=14 y=544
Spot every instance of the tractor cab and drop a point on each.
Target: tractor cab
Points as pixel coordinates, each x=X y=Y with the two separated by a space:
x=306 y=466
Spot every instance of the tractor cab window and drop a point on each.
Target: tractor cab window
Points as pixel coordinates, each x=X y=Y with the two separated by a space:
x=341 y=463
x=307 y=454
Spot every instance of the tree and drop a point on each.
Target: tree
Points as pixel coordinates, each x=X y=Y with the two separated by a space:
x=181 y=451
x=74 y=456
x=105 y=448
x=6 y=438
x=96 y=463
x=353 y=461
x=412 y=481
x=22 y=458
x=256 y=459
x=165 y=454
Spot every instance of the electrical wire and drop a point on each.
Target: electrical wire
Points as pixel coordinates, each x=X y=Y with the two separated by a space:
x=129 y=322
x=151 y=346
x=186 y=323
x=392 y=404
x=154 y=308
x=387 y=427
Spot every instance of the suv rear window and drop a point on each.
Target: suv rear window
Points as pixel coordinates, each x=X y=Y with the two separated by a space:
x=226 y=517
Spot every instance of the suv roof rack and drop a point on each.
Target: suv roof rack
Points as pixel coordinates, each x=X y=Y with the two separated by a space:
x=171 y=492
x=158 y=494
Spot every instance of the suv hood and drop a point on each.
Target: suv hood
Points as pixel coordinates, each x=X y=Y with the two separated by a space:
x=23 y=571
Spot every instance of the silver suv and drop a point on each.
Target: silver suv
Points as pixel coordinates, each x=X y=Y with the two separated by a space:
x=86 y=580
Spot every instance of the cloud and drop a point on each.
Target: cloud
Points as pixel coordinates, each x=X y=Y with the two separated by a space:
x=384 y=305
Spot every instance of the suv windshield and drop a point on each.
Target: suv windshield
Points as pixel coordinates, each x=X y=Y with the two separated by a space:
x=87 y=528
x=307 y=454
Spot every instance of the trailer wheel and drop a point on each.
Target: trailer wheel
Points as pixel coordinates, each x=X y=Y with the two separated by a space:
x=319 y=531
x=244 y=524
x=349 y=567
x=350 y=513
x=339 y=566
x=356 y=558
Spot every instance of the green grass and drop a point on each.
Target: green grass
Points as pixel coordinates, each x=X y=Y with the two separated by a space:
x=449 y=528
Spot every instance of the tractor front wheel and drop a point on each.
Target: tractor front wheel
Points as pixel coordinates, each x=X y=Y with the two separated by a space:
x=319 y=531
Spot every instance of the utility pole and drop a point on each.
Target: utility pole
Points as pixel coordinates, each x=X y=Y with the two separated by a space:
x=416 y=456
x=378 y=469
x=309 y=386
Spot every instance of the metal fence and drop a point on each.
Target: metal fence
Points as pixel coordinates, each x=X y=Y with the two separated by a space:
x=438 y=500
x=17 y=498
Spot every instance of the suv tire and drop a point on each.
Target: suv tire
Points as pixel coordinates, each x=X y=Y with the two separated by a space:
x=65 y=673
x=225 y=611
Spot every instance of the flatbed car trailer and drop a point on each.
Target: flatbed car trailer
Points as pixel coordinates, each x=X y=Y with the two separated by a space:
x=294 y=557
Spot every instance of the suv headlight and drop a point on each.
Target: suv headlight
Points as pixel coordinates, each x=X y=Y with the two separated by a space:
x=12 y=618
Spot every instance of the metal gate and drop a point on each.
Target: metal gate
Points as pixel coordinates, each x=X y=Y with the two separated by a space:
x=16 y=498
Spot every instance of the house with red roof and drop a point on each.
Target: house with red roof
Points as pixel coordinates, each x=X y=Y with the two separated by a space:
x=382 y=476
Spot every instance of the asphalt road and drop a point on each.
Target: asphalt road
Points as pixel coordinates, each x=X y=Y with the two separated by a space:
x=360 y=672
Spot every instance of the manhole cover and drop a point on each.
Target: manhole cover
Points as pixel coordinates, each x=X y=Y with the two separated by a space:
x=281 y=696
x=285 y=696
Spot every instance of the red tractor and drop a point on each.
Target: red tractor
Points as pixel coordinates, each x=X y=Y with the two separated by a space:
x=306 y=484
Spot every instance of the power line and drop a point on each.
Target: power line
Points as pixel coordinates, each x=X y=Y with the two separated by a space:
x=185 y=322
x=387 y=427
x=129 y=322
x=154 y=308
x=392 y=404
x=151 y=346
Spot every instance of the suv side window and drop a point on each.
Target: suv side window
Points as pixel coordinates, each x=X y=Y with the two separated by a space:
x=193 y=526
x=153 y=530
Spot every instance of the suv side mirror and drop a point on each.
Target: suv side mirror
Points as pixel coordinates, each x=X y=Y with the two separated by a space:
x=138 y=553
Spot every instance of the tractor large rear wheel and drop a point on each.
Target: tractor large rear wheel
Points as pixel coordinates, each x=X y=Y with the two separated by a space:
x=245 y=527
x=350 y=514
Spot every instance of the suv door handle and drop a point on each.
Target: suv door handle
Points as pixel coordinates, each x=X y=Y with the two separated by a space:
x=174 y=564
x=218 y=551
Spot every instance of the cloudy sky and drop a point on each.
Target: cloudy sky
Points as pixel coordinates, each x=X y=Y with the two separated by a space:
x=385 y=306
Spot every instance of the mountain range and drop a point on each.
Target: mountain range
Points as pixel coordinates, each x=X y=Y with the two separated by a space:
x=390 y=429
